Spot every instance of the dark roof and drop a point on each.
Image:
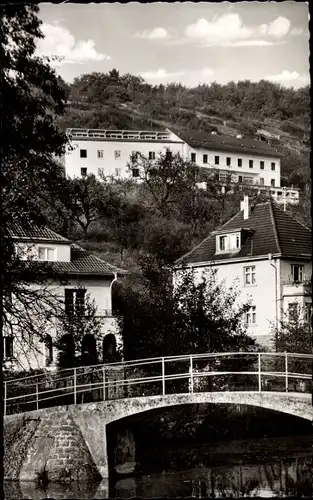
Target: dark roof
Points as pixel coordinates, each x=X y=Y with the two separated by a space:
x=218 y=142
x=34 y=232
x=268 y=230
x=82 y=262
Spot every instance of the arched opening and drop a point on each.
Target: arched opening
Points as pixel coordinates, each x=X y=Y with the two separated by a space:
x=89 y=350
x=66 y=357
x=109 y=350
x=48 y=350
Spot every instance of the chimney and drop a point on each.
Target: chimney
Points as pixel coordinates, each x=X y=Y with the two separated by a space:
x=244 y=205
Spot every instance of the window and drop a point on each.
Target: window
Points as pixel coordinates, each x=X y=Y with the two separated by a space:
x=239 y=162
x=273 y=182
x=205 y=158
x=251 y=316
x=217 y=160
x=48 y=350
x=8 y=347
x=151 y=155
x=250 y=163
x=262 y=181
x=135 y=172
x=222 y=241
x=83 y=153
x=117 y=172
x=117 y=154
x=228 y=242
x=273 y=165
x=228 y=161
x=74 y=301
x=249 y=275
x=240 y=179
x=297 y=272
x=100 y=172
x=100 y=153
x=308 y=313
x=83 y=172
x=46 y=253
x=293 y=312
x=262 y=165
x=168 y=155
x=193 y=157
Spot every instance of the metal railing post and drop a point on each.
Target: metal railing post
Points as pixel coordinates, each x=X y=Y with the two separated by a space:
x=163 y=376
x=5 y=399
x=259 y=372
x=103 y=381
x=286 y=371
x=191 y=375
x=75 y=386
x=37 y=397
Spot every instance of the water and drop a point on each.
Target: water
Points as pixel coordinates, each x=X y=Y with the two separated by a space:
x=265 y=467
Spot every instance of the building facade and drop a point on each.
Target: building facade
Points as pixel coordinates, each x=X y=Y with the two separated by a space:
x=72 y=277
x=105 y=153
x=267 y=255
x=233 y=160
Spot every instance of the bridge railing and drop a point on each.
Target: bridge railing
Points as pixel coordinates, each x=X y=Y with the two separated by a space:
x=210 y=372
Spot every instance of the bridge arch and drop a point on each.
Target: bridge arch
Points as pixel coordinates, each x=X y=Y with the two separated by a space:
x=298 y=405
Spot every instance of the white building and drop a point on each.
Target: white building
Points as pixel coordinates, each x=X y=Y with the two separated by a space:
x=73 y=274
x=105 y=153
x=267 y=254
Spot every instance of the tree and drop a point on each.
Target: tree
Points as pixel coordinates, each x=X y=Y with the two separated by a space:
x=294 y=332
x=189 y=318
x=166 y=179
x=78 y=334
x=31 y=98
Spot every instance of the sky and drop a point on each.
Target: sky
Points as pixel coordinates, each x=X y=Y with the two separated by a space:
x=190 y=43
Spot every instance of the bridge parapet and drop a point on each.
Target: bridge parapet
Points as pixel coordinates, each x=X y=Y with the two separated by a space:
x=186 y=374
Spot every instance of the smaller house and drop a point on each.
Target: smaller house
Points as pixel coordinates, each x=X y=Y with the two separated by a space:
x=267 y=254
x=70 y=274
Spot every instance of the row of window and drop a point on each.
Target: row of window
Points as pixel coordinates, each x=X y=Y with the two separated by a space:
x=117 y=154
x=117 y=172
x=88 y=344
x=249 y=273
x=241 y=179
x=229 y=161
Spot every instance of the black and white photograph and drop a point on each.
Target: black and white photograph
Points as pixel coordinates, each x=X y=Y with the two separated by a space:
x=156 y=250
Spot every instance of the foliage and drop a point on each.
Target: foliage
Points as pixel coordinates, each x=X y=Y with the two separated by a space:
x=294 y=334
x=77 y=336
x=31 y=97
x=189 y=318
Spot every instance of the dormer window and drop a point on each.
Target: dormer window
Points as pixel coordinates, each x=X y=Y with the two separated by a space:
x=223 y=243
x=46 y=253
x=228 y=242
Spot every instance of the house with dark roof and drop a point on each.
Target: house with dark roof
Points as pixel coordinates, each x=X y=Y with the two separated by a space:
x=267 y=254
x=74 y=274
x=234 y=159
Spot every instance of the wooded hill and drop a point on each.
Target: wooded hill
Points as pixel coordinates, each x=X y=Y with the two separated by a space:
x=114 y=101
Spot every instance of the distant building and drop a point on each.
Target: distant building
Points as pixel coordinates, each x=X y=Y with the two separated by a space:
x=105 y=153
x=267 y=254
x=78 y=274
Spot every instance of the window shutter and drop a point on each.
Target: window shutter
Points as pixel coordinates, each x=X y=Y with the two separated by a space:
x=69 y=301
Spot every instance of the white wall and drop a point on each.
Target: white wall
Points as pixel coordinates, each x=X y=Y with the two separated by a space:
x=262 y=294
x=73 y=162
x=30 y=251
x=267 y=174
x=33 y=356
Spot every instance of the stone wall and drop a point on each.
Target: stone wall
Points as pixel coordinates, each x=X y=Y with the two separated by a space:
x=46 y=446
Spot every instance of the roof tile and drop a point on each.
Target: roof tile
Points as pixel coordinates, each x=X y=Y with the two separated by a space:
x=272 y=231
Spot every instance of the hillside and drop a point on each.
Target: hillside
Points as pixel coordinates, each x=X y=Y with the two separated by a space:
x=115 y=101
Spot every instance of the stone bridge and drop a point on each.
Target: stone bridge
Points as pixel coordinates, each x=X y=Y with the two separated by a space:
x=69 y=443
